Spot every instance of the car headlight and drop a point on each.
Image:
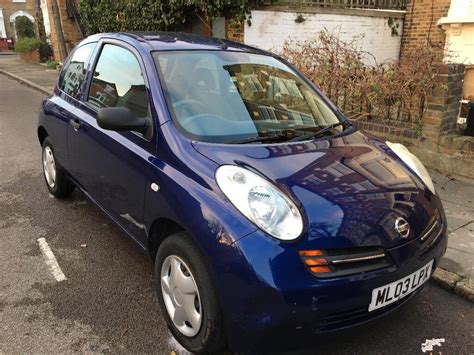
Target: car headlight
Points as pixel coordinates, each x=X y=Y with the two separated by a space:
x=260 y=201
x=413 y=163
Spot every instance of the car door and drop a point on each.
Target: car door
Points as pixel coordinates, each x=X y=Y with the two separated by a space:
x=58 y=109
x=109 y=165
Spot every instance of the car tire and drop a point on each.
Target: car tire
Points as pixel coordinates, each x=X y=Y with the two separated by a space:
x=54 y=174
x=182 y=250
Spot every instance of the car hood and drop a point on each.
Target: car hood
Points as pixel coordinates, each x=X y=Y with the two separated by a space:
x=350 y=189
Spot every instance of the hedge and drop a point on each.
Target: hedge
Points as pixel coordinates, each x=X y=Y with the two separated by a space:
x=24 y=27
x=152 y=15
x=26 y=45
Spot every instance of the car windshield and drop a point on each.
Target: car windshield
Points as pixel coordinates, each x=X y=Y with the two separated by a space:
x=235 y=97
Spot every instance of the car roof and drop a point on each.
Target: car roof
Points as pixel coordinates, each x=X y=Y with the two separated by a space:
x=166 y=41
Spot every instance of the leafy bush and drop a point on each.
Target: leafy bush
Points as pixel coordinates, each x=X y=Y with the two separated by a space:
x=393 y=91
x=52 y=64
x=24 y=27
x=26 y=45
x=152 y=15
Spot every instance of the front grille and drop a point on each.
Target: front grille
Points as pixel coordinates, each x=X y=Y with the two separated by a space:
x=343 y=262
x=429 y=229
x=432 y=231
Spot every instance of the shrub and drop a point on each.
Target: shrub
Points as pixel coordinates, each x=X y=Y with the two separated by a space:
x=393 y=91
x=26 y=45
x=153 y=15
x=24 y=27
x=52 y=64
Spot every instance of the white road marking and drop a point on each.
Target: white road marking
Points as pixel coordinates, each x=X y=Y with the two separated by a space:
x=51 y=260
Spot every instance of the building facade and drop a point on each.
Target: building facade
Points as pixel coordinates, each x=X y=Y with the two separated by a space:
x=10 y=10
x=458 y=26
x=420 y=27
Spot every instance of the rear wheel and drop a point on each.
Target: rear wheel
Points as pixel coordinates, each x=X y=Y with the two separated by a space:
x=54 y=175
x=188 y=296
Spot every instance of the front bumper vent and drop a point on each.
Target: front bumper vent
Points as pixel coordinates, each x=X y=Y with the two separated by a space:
x=343 y=262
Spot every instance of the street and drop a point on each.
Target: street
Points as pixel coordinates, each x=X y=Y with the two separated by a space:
x=108 y=301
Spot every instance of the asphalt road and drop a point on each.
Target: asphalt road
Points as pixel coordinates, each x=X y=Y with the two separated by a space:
x=108 y=302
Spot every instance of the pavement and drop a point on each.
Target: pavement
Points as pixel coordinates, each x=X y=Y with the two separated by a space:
x=458 y=201
x=37 y=76
x=108 y=301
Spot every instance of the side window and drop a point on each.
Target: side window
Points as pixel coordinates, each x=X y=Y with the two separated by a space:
x=118 y=82
x=72 y=76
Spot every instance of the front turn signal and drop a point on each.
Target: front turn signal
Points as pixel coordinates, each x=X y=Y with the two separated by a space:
x=315 y=260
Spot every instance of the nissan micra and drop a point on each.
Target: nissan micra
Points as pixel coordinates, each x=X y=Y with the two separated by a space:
x=268 y=215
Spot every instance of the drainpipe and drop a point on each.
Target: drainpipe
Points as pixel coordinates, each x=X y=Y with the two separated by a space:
x=59 y=30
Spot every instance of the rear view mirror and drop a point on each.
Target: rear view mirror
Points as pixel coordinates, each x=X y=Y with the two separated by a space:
x=121 y=119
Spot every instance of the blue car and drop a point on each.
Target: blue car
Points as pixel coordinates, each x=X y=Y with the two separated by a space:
x=269 y=217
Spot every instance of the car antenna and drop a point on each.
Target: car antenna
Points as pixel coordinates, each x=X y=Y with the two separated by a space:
x=223 y=44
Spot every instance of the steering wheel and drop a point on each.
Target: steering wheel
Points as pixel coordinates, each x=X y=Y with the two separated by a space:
x=185 y=105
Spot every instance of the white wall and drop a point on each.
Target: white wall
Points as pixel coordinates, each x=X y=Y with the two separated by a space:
x=270 y=29
x=3 y=31
x=47 y=25
x=459 y=27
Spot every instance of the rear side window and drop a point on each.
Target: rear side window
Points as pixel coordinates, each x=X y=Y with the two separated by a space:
x=118 y=82
x=72 y=76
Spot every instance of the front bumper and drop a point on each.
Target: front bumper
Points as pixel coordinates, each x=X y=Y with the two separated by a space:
x=290 y=304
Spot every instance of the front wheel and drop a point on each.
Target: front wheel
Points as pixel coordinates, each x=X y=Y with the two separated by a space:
x=188 y=296
x=54 y=175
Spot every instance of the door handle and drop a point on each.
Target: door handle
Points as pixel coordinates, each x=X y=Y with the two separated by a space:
x=75 y=123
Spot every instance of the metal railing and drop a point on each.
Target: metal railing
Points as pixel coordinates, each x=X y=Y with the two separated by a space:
x=353 y=4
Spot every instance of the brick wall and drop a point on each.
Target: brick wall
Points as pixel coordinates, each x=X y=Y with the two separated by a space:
x=443 y=105
x=3 y=44
x=234 y=30
x=9 y=7
x=441 y=145
x=70 y=31
x=420 y=26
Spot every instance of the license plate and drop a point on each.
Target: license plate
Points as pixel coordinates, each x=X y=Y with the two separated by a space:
x=392 y=292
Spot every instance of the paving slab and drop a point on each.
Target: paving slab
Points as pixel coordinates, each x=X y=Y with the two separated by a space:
x=458 y=201
x=459 y=262
x=463 y=238
x=458 y=215
x=451 y=189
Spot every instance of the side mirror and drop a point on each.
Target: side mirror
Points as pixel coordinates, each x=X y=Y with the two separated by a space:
x=121 y=119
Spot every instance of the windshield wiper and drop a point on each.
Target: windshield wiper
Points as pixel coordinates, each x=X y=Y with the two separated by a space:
x=273 y=137
x=284 y=137
x=310 y=135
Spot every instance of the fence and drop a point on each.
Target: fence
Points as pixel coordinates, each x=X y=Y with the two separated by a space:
x=358 y=4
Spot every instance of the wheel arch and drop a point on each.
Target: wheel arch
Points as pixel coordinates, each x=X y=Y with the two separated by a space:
x=42 y=134
x=160 y=229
